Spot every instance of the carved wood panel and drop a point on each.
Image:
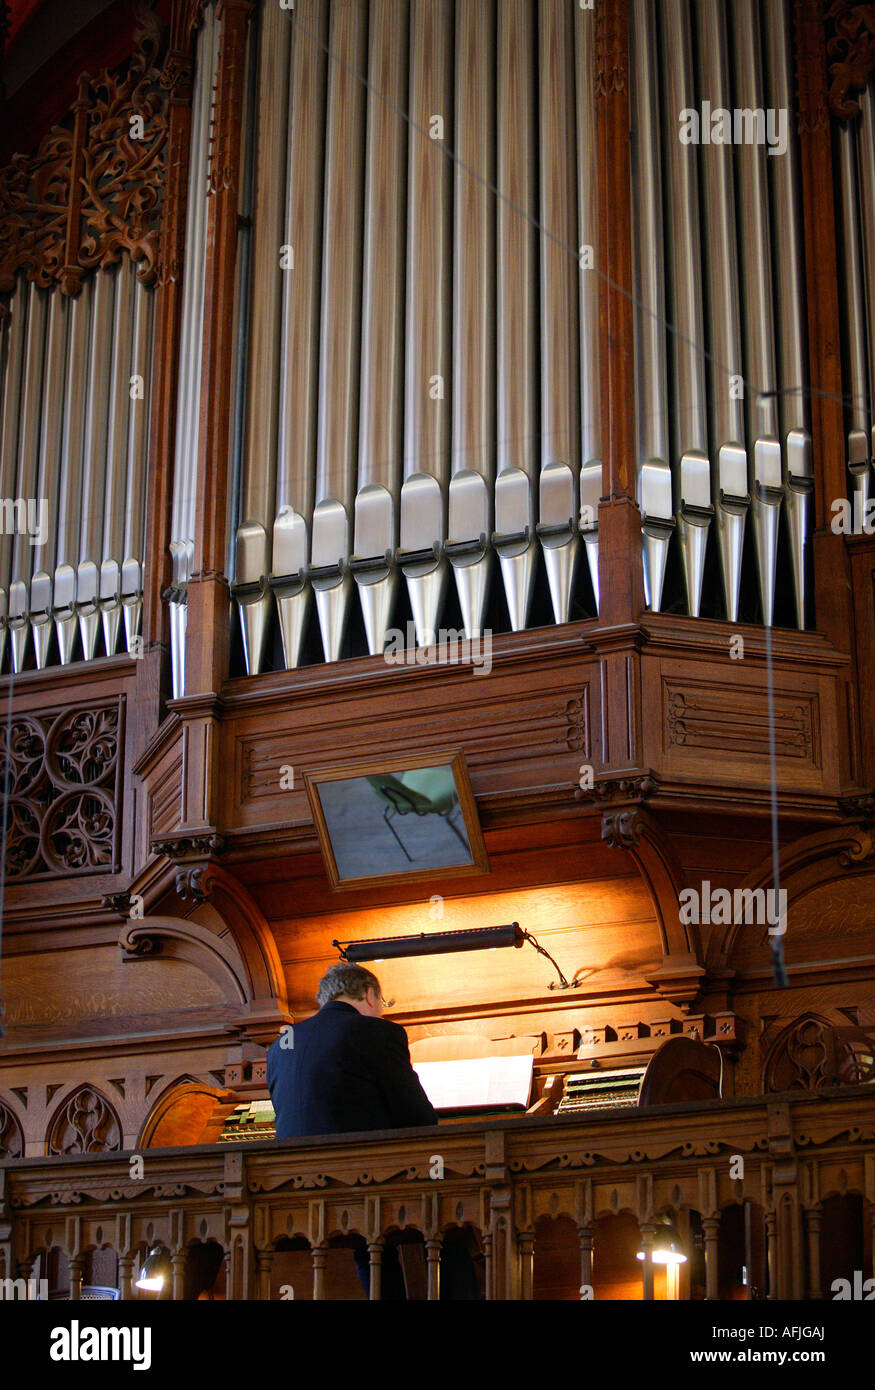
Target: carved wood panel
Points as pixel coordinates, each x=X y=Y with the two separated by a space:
x=85 y=1124
x=64 y=787
x=11 y=1137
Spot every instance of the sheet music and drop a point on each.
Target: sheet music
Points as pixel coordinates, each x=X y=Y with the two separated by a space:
x=477 y=1081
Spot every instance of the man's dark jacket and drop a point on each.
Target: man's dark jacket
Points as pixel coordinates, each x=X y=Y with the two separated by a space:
x=345 y=1072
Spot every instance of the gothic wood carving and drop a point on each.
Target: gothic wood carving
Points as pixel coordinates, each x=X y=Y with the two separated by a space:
x=851 y=48
x=85 y=1124
x=812 y=1054
x=93 y=190
x=64 y=788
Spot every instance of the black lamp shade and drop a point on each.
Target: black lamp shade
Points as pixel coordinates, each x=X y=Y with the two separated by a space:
x=434 y=943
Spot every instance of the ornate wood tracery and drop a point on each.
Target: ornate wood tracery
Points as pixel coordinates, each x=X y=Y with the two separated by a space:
x=64 y=773
x=85 y=1124
x=93 y=189
x=11 y=1137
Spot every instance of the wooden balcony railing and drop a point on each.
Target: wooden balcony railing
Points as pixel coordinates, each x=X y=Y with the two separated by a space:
x=531 y=1192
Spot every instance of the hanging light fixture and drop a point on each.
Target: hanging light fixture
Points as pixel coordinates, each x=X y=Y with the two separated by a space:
x=667 y=1248
x=154 y=1276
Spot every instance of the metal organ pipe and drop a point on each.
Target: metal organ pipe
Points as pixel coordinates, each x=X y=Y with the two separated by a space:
x=382 y=365
x=866 y=169
x=725 y=371
x=337 y=435
x=428 y=328
x=109 y=588
x=692 y=480
x=855 y=324
x=473 y=471
x=9 y=442
x=518 y=450
x=41 y=600
x=560 y=376
x=790 y=301
x=587 y=228
x=188 y=408
x=651 y=362
x=30 y=402
x=299 y=358
x=766 y=481
x=133 y=536
x=257 y=501
x=70 y=486
x=93 y=459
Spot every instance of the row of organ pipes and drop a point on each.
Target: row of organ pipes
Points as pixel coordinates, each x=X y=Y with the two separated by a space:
x=417 y=351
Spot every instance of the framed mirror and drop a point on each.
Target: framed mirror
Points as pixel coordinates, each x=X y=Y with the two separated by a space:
x=402 y=818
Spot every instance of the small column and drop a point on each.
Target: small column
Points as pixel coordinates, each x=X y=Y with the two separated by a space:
x=433 y=1261
x=487 y=1253
x=125 y=1277
x=263 y=1266
x=647 y=1272
x=319 y=1256
x=527 y=1264
x=585 y=1236
x=226 y=1262
x=772 y=1253
x=813 y=1219
x=711 y=1232
x=375 y=1255
x=177 y=1264
x=77 y=1266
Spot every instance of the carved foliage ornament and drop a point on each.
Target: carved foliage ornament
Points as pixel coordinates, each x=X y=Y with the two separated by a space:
x=813 y=1054
x=63 y=771
x=851 y=49
x=94 y=187
x=85 y=1124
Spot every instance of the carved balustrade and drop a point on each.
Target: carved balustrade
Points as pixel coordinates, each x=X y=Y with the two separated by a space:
x=787 y=1155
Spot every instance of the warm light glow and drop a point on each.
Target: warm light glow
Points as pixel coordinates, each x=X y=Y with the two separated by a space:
x=664 y=1257
x=151 y=1283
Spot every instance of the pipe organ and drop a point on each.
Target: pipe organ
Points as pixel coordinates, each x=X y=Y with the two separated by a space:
x=417 y=355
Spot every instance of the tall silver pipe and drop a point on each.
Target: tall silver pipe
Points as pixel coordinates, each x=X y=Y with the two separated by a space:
x=651 y=360
x=337 y=435
x=790 y=302
x=517 y=306
x=51 y=425
x=855 y=316
x=258 y=489
x=120 y=404
x=588 y=239
x=766 y=480
x=26 y=476
x=188 y=407
x=380 y=419
x=137 y=453
x=15 y=336
x=866 y=170
x=299 y=358
x=72 y=467
x=692 y=474
x=94 y=459
x=560 y=346
x=473 y=471
x=726 y=368
x=428 y=318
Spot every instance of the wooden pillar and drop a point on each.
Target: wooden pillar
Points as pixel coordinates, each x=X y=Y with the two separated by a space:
x=125 y=1277
x=375 y=1255
x=77 y=1266
x=813 y=1219
x=487 y=1257
x=177 y=1263
x=319 y=1254
x=772 y=1253
x=263 y=1265
x=208 y=623
x=711 y=1231
x=621 y=565
x=832 y=577
x=527 y=1264
x=226 y=1264
x=647 y=1267
x=585 y=1236
x=433 y=1261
